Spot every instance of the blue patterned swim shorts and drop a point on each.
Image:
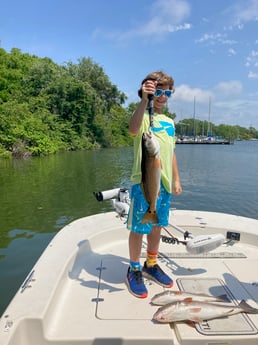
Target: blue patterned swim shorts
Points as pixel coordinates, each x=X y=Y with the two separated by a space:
x=139 y=207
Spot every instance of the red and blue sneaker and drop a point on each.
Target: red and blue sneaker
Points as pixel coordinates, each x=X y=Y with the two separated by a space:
x=135 y=283
x=157 y=274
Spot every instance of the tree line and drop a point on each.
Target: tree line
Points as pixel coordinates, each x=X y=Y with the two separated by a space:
x=46 y=108
x=195 y=127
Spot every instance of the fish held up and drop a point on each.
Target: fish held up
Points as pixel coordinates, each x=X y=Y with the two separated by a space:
x=151 y=175
x=199 y=311
x=168 y=296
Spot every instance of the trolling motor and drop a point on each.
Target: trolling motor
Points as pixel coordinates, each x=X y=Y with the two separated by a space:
x=194 y=245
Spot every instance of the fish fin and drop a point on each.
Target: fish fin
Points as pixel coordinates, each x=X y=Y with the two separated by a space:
x=178 y=293
x=150 y=217
x=188 y=299
x=190 y=323
x=223 y=298
x=247 y=308
x=196 y=319
x=195 y=310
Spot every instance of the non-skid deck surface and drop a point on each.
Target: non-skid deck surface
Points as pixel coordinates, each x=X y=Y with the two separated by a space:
x=96 y=294
x=120 y=306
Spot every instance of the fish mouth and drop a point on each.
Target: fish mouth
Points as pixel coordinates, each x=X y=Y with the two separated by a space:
x=158 y=321
x=147 y=135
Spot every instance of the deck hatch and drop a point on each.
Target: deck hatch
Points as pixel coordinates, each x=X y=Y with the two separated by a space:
x=238 y=324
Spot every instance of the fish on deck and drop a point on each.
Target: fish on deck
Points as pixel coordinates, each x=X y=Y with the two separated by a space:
x=199 y=311
x=169 y=296
x=151 y=175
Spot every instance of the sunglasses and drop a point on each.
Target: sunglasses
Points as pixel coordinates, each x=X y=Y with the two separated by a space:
x=160 y=92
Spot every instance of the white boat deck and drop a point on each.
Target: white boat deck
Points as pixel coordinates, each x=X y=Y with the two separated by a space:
x=78 y=293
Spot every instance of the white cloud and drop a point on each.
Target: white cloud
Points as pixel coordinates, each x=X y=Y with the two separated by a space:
x=231 y=52
x=170 y=11
x=207 y=37
x=252 y=75
x=186 y=94
x=236 y=112
x=157 y=27
x=229 y=88
x=215 y=38
x=165 y=17
x=227 y=104
x=225 y=89
x=252 y=59
x=240 y=26
x=245 y=12
x=205 y=20
x=185 y=26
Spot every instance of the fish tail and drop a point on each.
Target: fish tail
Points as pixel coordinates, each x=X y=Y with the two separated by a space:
x=150 y=217
x=247 y=308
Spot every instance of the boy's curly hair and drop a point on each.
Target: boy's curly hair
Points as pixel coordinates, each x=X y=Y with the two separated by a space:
x=162 y=79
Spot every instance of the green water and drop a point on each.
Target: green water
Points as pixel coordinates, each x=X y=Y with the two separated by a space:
x=41 y=195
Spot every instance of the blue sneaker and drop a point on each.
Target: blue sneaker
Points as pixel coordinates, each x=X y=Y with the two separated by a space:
x=135 y=284
x=158 y=275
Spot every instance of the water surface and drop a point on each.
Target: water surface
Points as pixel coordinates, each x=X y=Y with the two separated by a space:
x=41 y=195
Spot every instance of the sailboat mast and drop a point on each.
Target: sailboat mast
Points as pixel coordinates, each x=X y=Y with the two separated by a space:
x=209 y=120
x=194 y=124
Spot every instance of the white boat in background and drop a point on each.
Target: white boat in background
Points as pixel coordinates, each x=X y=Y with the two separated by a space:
x=76 y=292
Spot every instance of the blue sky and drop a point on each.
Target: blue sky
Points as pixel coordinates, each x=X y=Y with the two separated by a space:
x=209 y=47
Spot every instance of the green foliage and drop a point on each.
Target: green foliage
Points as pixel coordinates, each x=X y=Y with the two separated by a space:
x=45 y=107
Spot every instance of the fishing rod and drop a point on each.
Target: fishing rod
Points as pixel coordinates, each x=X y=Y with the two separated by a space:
x=150 y=105
x=150 y=108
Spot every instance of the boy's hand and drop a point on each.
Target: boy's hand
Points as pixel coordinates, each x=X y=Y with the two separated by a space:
x=148 y=88
x=177 y=189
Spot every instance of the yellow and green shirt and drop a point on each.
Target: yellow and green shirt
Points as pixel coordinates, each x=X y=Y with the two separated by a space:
x=164 y=130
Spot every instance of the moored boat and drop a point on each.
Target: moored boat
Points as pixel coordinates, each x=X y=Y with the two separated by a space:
x=204 y=141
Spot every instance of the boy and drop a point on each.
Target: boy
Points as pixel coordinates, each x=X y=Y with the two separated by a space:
x=161 y=86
